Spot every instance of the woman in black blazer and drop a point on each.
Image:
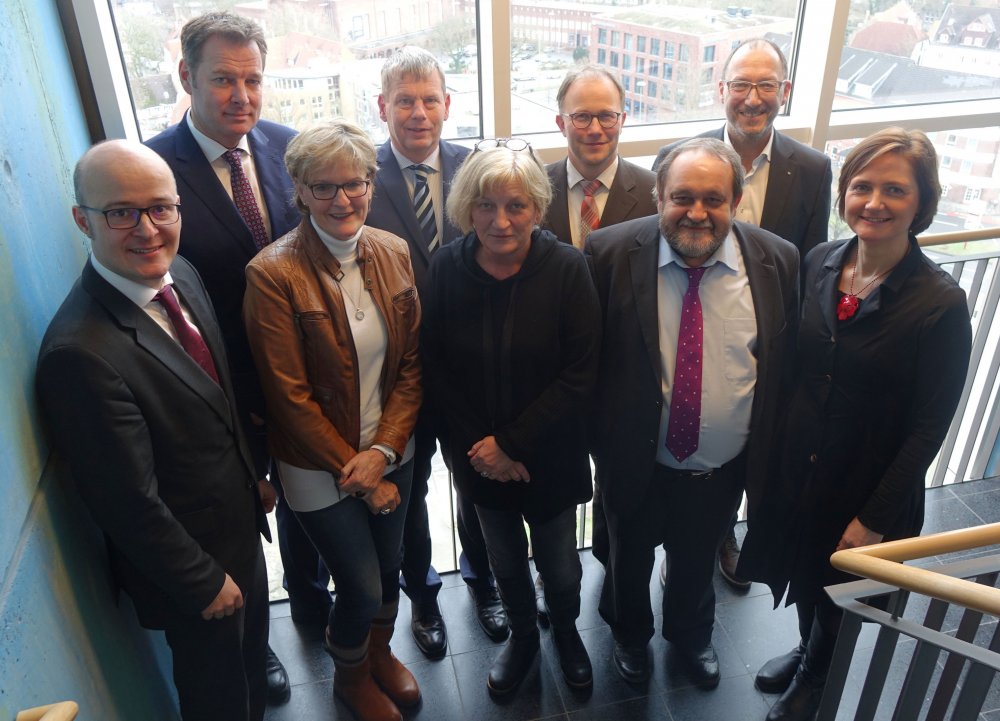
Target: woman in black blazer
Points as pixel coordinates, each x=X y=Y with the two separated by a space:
x=883 y=350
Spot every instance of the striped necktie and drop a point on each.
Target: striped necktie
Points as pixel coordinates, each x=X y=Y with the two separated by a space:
x=424 y=206
x=590 y=219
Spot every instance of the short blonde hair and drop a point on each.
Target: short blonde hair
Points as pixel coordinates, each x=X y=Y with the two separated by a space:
x=486 y=170
x=912 y=145
x=337 y=141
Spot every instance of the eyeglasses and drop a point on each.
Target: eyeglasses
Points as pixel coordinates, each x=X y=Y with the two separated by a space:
x=764 y=87
x=328 y=191
x=515 y=144
x=127 y=218
x=582 y=121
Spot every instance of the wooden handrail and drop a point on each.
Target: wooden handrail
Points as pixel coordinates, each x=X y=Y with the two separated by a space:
x=63 y=711
x=883 y=562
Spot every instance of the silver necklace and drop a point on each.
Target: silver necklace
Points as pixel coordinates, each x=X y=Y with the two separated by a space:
x=358 y=313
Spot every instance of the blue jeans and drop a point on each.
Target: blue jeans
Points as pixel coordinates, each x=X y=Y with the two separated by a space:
x=554 y=545
x=363 y=552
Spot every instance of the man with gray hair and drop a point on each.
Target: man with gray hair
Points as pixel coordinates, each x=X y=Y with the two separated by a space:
x=411 y=187
x=788 y=184
x=594 y=187
x=700 y=314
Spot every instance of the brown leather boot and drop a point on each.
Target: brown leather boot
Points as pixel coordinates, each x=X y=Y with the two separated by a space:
x=394 y=678
x=353 y=684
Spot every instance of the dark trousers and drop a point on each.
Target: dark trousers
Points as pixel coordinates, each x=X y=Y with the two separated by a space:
x=689 y=515
x=305 y=579
x=418 y=579
x=219 y=665
x=363 y=551
x=554 y=545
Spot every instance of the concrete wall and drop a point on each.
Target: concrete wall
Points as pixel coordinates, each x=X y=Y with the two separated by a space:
x=62 y=636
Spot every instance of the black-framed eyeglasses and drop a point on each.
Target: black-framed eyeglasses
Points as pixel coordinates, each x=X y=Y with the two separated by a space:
x=515 y=144
x=328 y=191
x=582 y=121
x=764 y=87
x=127 y=218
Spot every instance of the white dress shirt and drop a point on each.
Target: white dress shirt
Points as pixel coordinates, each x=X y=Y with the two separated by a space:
x=434 y=184
x=751 y=207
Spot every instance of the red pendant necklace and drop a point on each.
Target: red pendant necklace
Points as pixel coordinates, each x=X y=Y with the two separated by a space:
x=850 y=301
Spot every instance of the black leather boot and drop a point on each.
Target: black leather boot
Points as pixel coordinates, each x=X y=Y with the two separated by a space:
x=512 y=665
x=776 y=675
x=801 y=700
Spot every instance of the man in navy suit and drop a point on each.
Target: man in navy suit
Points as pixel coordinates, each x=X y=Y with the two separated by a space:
x=149 y=426
x=416 y=163
x=788 y=184
x=591 y=116
x=699 y=319
x=222 y=69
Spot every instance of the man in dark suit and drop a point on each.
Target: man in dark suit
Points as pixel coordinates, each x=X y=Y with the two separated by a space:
x=788 y=184
x=591 y=117
x=699 y=316
x=222 y=69
x=137 y=393
x=411 y=187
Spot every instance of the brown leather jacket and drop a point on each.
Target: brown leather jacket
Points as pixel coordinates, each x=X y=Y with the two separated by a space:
x=302 y=344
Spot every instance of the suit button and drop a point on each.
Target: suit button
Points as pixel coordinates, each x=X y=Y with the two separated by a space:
x=828 y=378
x=813 y=458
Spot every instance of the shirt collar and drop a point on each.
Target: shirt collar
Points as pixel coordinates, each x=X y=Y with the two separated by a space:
x=212 y=149
x=141 y=295
x=431 y=161
x=573 y=175
x=765 y=153
x=726 y=254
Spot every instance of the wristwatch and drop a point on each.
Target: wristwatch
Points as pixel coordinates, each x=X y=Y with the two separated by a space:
x=390 y=455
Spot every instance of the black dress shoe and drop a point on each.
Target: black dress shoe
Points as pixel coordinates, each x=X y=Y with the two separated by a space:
x=541 y=607
x=729 y=557
x=776 y=675
x=429 y=631
x=573 y=658
x=632 y=662
x=800 y=702
x=512 y=665
x=702 y=665
x=489 y=612
x=278 y=688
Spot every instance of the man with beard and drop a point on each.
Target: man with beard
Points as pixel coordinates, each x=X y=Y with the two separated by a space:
x=699 y=316
x=787 y=187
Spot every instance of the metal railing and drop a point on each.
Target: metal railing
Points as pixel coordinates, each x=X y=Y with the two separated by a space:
x=958 y=687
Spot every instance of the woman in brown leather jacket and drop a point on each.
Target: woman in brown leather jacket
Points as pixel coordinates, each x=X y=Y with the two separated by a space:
x=332 y=316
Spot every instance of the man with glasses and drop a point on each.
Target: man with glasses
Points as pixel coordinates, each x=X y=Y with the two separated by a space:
x=594 y=187
x=230 y=171
x=134 y=383
x=788 y=184
x=411 y=187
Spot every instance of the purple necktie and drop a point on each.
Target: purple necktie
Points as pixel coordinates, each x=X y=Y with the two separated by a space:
x=685 y=396
x=245 y=201
x=190 y=339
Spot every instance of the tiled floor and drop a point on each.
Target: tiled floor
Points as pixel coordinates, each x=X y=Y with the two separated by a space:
x=747 y=633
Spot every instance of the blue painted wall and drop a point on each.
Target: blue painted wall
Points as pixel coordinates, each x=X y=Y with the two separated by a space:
x=62 y=636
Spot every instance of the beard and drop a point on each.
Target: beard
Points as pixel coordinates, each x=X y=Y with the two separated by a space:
x=685 y=238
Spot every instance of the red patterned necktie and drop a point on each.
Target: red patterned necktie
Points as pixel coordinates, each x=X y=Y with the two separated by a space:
x=590 y=219
x=244 y=198
x=685 y=396
x=189 y=337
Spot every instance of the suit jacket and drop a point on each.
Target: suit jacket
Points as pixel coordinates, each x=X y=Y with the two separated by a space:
x=392 y=207
x=797 y=201
x=630 y=197
x=154 y=446
x=219 y=244
x=623 y=260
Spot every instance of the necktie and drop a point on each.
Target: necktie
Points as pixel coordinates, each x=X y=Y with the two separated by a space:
x=190 y=339
x=245 y=201
x=424 y=206
x=685 y=397
x=590 y=219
